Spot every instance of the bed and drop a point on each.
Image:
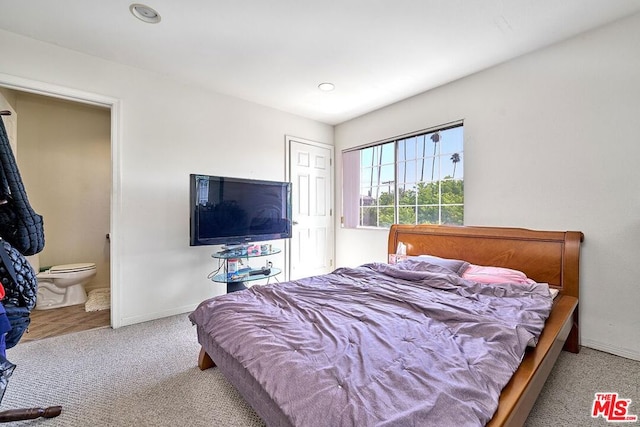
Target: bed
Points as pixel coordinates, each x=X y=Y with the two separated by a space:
x=339 y=372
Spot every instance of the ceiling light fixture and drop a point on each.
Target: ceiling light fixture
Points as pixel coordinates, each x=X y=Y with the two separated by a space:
x=145 y=13
x=326 y=87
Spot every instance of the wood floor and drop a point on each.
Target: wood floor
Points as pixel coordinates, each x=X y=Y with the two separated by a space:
x=60 y=321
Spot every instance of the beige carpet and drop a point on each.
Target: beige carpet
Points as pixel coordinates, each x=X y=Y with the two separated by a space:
x=147 y=375
x=140 y=375
x=98 y=299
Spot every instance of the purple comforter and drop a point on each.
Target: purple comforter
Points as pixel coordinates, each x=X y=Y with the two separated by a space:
x=380 y=344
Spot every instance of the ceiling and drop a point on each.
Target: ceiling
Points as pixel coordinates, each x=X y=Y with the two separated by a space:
x=277 y=52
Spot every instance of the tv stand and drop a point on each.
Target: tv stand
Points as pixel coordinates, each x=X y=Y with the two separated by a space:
x=237 y=281
x=235 y=286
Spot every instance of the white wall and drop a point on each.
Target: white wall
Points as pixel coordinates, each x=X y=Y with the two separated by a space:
x=167 y=130
x=551 y=142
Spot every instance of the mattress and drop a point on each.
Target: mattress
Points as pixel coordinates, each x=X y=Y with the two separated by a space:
x=374 y=345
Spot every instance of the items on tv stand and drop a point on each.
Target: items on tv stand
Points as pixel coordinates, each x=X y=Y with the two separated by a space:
x=236 y=276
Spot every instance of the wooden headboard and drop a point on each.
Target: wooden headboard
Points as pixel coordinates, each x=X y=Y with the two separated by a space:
x=545 y=256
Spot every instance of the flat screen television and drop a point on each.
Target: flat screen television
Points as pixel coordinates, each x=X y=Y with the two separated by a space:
x=234 y=211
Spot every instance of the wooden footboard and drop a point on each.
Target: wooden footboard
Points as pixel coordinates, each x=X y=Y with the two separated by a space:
x=521 y=392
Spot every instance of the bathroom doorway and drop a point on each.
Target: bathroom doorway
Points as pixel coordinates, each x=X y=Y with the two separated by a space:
x=64 y=157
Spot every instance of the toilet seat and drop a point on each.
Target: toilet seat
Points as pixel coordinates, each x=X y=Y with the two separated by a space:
x=72 y=268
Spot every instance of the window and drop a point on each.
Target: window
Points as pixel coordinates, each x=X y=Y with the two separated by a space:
x=415 y=179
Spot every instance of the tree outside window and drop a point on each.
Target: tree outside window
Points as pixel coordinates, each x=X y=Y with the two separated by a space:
x=410 y=180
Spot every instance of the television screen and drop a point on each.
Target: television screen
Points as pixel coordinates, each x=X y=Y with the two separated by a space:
x=231 y=211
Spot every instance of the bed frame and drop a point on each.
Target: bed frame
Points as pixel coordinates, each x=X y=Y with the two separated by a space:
x=551 y=257
x=545 y=256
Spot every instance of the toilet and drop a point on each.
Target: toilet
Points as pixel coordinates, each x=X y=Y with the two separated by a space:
x=62 y=285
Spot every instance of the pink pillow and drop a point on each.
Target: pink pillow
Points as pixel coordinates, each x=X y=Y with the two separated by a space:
x=482 y=274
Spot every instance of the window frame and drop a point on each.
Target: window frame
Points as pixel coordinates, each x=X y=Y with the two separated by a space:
x=353 y=166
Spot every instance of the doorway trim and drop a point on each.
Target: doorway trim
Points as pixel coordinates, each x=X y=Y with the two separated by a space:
x=61 y=92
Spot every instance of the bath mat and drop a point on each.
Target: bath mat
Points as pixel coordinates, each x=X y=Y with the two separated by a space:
x=98 y=299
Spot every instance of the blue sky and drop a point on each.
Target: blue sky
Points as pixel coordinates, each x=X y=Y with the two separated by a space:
x=416 y=159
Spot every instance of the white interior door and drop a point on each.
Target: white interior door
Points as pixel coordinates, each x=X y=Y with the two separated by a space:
x=311 y=174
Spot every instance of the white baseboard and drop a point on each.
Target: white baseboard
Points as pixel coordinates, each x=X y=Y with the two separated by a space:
x=127 y=321
x=607 y=348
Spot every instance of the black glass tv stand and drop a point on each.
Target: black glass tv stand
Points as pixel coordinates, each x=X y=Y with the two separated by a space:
x=236 y=280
